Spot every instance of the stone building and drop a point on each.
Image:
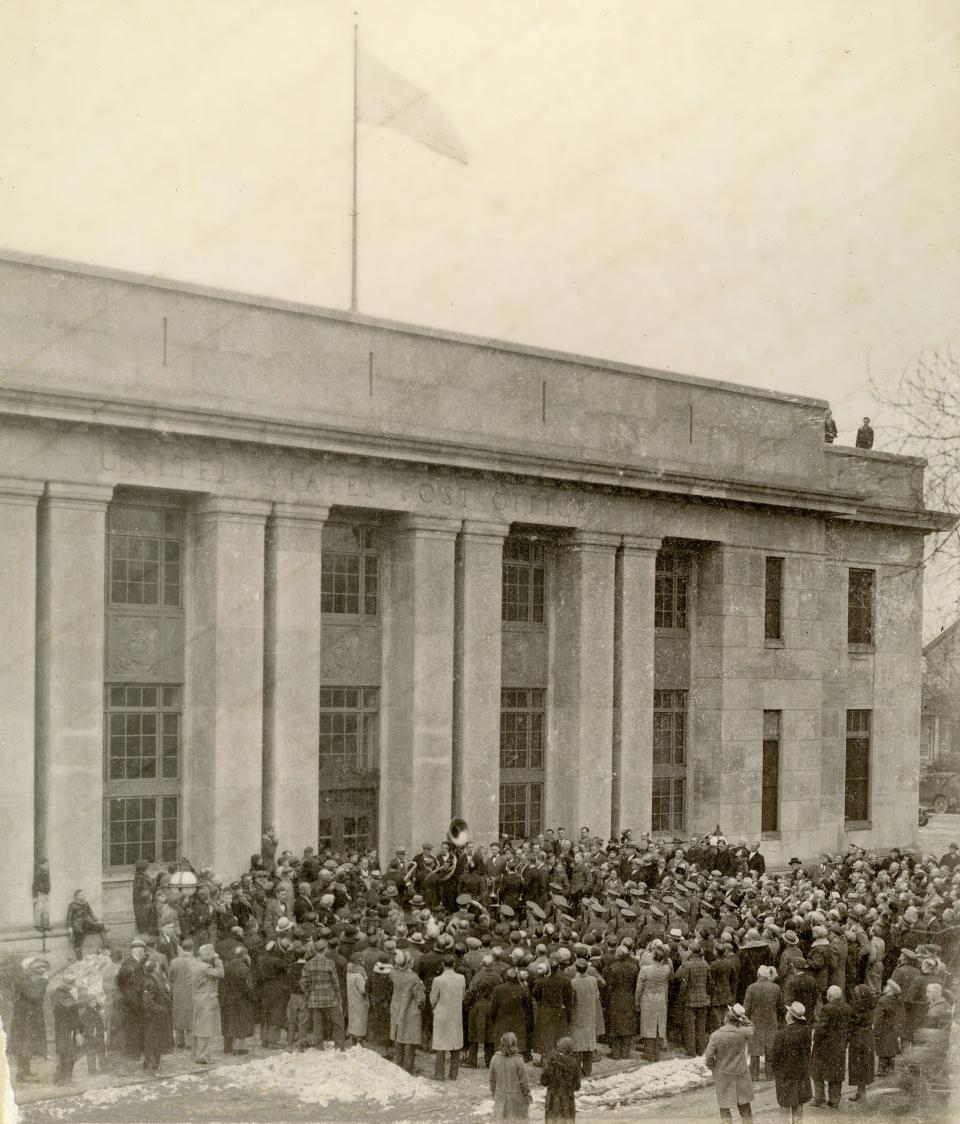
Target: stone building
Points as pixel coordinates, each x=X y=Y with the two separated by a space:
x=266 y=563
x=940 y=695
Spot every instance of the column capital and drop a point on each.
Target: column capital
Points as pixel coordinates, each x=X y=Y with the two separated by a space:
x=429 y=526
x=232 y=509
x=641 y=544
x=70 y=494
x=25 y=492
x=297 y=514
x=483 y=531
x=598 y=541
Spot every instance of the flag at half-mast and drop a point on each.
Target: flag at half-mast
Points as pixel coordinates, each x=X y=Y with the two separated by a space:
x=387 y=99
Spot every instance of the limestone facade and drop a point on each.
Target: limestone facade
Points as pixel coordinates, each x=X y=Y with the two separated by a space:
x=273 y=565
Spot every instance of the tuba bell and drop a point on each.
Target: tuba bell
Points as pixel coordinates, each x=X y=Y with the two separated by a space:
x=458 y=833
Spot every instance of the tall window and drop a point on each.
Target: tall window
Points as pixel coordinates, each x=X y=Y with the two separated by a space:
x=142 y=765
x=349 y=723
x=521 y=761
x=773 y=599
x=669 y=759
x=770 y=790
x=145 y=556
x=857 y=778
x=349 y=571
x=669 y=727
x=860 y=607
x=671 y=587
x=523 y=581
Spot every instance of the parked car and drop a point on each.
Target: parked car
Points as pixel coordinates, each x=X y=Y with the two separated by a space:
x=940 y=791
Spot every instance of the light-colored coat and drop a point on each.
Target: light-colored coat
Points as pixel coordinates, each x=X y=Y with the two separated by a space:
x=183 y=971
x=405 y=1006
x=651 y=998
x=446 y=999
x=510 y=1086
x=583 y=1022
x=358 y=1003
x=761 y=1003
x=206 y=1000
x=726 y=1055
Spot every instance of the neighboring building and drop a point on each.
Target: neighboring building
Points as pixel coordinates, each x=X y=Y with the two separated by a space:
x=940 y=713
x=270 y=564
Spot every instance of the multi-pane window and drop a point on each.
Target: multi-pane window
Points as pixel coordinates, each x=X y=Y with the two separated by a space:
x=145 y=556
x=521 y=809
x=521 y=729
x=773 y=599
x=142 y=725
x=770 y=783
x=669 y=727
x=860 y=607
x=669 y=759
x=523 y=581
x=857 y=777
x=142 y=827
x=349 y=722
x=349 y=578
x=672 y=581
x=522 y=713
x=667 y=812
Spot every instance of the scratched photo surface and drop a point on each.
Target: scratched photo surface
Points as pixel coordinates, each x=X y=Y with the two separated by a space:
x=477 y=480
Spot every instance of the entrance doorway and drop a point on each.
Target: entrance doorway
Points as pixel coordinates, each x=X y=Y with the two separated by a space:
x=348 y=820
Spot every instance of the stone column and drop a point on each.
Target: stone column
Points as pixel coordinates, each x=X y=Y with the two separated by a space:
x=580 y=759
x=18 y=626
x=226 y=642
x=633 y=684
x=291 y=688
x=417 y=761
x=479 y=583
x=72 y=531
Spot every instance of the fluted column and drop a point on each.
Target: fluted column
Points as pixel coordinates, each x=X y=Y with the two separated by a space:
x=69 y=715
x=226 y=642
x=479 y=588
x=633 y=683
x=580 y=760
x=18 y=626
x=291 y=689
x=417 y=761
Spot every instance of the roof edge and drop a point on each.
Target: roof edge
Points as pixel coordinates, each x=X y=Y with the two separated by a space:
x=107 y=273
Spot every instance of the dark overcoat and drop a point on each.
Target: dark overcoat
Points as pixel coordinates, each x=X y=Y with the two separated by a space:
x=887 y=1019
x=511 y=1009
x=236 y=999
x=789 y=1059
x=157 y=1017
x=477 y=1001
x=561 y=1075
x=621 y=979
x=829 y=1059
x=28 y=1035
x=860 y=1051
x=274 y=988
x=554 y=998
x=380 y=991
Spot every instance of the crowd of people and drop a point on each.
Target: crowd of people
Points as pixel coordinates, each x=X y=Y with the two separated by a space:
x=553 y=952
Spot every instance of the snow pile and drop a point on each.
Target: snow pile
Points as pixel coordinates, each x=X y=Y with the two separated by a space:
x=352 y=1076
x=314 y=1078
x=645 y=1083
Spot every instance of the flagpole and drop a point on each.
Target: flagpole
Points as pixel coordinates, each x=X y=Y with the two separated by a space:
x=354 y=214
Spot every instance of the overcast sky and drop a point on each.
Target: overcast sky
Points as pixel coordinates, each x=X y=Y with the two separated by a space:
x=751 y=191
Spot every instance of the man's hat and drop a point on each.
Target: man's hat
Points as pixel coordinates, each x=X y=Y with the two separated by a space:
x=415 y=938
x=790 y=937
x=138 y=943
x=559 y=900
x=798 y=1011
x=417 y=901
x=464 y=899
x=506 y=910
x=536 y=910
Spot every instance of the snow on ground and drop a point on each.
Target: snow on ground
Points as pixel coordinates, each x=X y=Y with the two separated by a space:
x=630 y=1086
x=313 y=1078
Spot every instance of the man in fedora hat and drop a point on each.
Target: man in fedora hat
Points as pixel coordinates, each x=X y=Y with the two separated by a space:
x=790 y=1062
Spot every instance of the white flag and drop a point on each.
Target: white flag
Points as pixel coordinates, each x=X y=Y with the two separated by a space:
x=385 y=98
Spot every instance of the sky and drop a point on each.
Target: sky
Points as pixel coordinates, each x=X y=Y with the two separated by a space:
x=748 y=191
